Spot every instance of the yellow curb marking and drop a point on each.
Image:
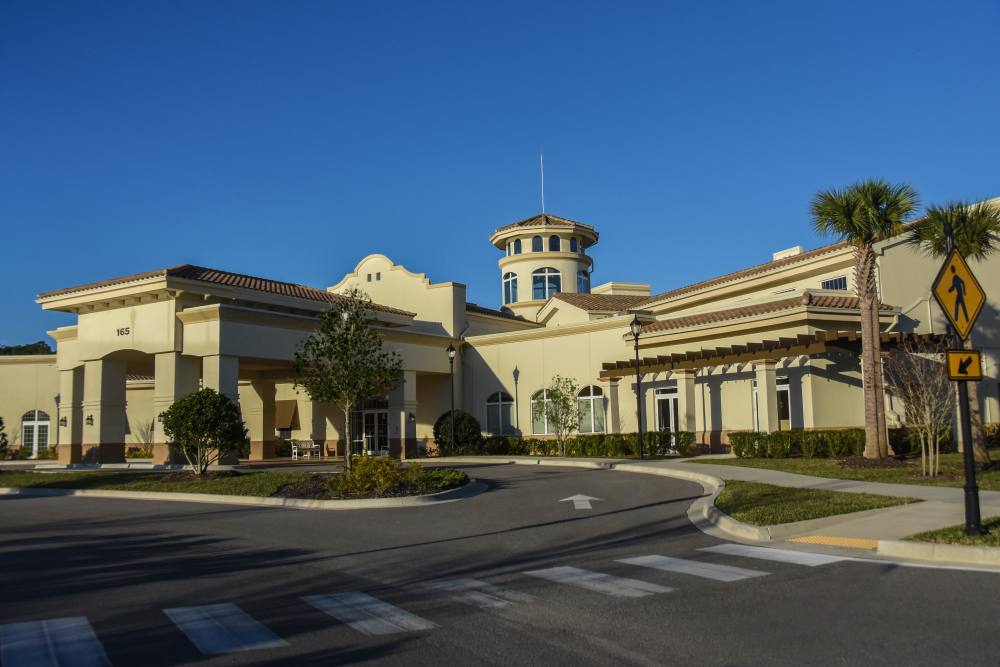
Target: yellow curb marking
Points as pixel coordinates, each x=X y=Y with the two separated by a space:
x=831 y=541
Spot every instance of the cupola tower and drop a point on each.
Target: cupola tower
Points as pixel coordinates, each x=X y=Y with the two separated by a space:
x=544 y=254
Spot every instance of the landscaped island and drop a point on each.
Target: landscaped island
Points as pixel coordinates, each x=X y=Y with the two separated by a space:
x=371 y=478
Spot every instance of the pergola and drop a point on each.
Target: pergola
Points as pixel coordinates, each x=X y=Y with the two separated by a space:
x=801 y=345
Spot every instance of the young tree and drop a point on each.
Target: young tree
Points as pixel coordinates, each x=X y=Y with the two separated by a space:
x=560 y=409
x=144 y=433
x=917 y=376
x=862 y=214
x=204 y=426
x=976 y=233
x=343 y=361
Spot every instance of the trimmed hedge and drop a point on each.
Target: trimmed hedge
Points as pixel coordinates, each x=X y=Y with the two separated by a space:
x=597 y=445
x=835 y=443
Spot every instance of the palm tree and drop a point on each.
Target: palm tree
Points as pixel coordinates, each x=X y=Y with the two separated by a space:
x=976 y=234
x=862 y=214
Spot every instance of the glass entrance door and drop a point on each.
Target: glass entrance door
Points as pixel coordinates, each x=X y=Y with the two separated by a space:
x=666 y=413
x=376 y=432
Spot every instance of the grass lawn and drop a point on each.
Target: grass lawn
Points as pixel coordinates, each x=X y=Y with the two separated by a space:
x=262 y=484
x=249 y=484
x=767 y=504
x=956 y=535
x=952 y=471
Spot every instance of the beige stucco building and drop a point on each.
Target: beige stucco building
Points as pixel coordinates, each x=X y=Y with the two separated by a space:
x=773 y=346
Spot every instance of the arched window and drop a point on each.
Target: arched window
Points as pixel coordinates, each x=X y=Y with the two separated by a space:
x=35 y=431
x=509 y=288
x=553 y=243
x=536 y=244
x=545 y=282
x=590 y=405
x=573 y=246
x=539 y=412
x=500 y=414
x=583 y=282
x=517 y=246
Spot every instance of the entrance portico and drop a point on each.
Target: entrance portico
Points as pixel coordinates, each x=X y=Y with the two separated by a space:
x=188 y=328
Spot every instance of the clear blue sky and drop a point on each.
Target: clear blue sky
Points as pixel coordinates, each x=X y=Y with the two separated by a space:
x=290 y=139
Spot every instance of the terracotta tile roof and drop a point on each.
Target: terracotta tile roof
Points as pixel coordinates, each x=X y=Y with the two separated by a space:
x=545 y=219
x=603 y=302
x=227 y=278
x=483 y=310
x=805 y=299
x=749 y=272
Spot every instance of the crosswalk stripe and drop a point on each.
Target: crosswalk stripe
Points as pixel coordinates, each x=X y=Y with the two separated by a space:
x=779 y=555
x=478 y=593
x=694 y=568
x=367 y=614
x=57 y=642
x=222 y=628
x=600 y=582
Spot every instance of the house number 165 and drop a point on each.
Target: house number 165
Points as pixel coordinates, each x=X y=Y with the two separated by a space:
x=124 y=331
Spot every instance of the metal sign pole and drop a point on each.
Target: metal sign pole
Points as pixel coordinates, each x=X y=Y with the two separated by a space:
x=973 y=521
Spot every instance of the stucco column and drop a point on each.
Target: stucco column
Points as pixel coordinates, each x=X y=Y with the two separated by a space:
x=175 y=376
x=258 y=412
x=104 y=411
x=685 y=400
x=221 y=373
x=767 y=396
x=408 y=427
x=70 y=438
x=614 y=424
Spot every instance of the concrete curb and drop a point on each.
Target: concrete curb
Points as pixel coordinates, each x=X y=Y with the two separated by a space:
x=468 y=490
x=930 y=551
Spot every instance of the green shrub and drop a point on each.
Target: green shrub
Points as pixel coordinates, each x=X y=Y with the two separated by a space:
x=812 y=444
x=283 y=448
x=136 y=452
x=441 y=479
x=778 y=444
x=468 y=434
x=48 y=453
x=371 y=475
x=744 y=443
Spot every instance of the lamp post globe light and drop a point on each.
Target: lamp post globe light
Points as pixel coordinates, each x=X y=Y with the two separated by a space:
x=451 y=371
x=636 y=327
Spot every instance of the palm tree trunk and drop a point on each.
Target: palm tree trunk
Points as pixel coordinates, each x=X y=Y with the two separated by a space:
x=883 y=431
x=863 y=288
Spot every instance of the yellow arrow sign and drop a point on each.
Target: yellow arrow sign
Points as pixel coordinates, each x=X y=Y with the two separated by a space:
x=965 y=365
x=959 y=294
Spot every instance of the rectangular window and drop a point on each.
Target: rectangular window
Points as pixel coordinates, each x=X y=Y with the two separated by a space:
x=493 y=418
x=538 y=287
x=538 y=422
x=586 y=416
x=507 y=418
x=838 y=283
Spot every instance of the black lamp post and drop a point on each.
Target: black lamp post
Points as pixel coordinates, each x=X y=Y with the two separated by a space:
x=451 y=371
x=636 y=328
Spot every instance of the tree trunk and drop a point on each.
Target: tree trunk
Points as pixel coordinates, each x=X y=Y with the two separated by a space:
x=348 y=454
x=862 y=286
x=883 y=430
x=979 y=449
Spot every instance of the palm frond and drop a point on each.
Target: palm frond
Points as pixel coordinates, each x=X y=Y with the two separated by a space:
x=975 y=229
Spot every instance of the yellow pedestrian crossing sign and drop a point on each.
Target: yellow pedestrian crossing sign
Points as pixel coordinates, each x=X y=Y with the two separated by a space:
x=959 y=294
x=965 y=365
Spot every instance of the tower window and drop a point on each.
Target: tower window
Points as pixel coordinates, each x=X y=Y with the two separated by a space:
x=553 y=243
x=536 y=244
x=573 y=245
x=545 y=282
x=509 y=288
x=517 y=246
x=838 y=283
x=583 y=282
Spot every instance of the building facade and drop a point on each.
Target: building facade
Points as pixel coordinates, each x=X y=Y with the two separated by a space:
x=774 y=346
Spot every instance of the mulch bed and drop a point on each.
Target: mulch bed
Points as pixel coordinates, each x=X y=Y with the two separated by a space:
x=312 y=489
x=862 y=462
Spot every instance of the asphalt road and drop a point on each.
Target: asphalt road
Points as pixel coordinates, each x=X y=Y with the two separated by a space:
x=511 y=576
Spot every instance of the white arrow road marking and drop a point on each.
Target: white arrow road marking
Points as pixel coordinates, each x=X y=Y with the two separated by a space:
x=222 y=628
x=580 y=501
x=598 y=581
x=368 y=615
x=478 y=593
x=55 y=642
